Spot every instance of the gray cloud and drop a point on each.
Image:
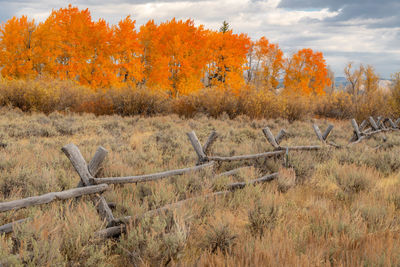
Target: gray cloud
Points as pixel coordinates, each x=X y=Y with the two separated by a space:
x=373 y=13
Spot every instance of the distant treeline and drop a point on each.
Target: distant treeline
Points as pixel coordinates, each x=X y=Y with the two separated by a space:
x=174 y=56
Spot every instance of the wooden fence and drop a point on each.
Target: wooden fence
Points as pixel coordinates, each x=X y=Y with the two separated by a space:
x=89 y=184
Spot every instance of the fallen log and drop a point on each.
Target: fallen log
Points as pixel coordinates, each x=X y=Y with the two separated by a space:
x=50 y=197
x=150 y=177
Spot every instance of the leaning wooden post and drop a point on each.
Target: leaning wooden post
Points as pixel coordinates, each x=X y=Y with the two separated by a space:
x=282 y=133
x=97 y=160
x=356 y=129
x=397 y=122
x=327 y=132
x=379 y=121
x=373 y=123
x=270 y=137
x=79 y=163
x=197 y=147
x=392 y=124
x=95 y=163
x=318 y=133
x=323 y=137
x=362 y=125
x=211 y=139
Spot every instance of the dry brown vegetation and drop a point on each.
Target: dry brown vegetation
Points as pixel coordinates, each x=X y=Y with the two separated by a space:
x=331 y=207
x=49 y=95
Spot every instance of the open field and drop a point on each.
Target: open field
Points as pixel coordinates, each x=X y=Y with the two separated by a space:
x=330 y=207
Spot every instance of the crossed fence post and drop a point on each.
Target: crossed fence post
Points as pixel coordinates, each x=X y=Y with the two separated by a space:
x=202 y=151
x=274 y=141
x=382 y=124
x=87 y=173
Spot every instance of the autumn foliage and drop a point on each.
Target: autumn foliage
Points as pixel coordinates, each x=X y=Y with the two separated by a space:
x=306 y=73
x=176 y=56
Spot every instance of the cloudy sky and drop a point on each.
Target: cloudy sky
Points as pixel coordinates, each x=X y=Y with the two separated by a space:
x=362 y=31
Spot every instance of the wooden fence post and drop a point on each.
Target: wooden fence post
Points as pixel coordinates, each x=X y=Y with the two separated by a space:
x=323 y=137
x=356 y=129
x=282 y=134
x=397 y=123
x=211 y=139
x=197 y=147
x=362 y=125
x=392 y=124
x=270 y=137
x=373 y=123
x=318 y=133
x=201 y=151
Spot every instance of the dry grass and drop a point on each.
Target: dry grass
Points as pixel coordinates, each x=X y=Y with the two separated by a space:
x=343 y=209
x=49 y=95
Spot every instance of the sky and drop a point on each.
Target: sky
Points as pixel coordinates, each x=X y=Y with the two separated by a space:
x=360 y=31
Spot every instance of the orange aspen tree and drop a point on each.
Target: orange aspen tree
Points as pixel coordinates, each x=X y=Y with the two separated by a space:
x=178 y=64
x=269 y=64
x=228 y=57
x=148 y=38
x=127 y=53
x=17 y=43
x=101 y=68
x=78 y=48
x=306 y=73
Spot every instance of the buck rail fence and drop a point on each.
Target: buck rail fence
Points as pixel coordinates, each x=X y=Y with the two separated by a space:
x=91 y=185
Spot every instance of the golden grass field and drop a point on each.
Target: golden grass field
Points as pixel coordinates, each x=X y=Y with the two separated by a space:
x=337 y=207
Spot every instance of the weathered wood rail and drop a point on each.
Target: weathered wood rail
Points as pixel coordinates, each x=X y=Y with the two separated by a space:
x=150 y=177
x=53 y=196
x=89 y=184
